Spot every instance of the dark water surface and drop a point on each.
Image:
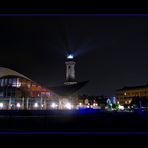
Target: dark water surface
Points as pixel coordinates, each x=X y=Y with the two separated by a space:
x=72 y=121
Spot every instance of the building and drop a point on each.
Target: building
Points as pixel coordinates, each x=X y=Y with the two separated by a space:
x=126 y=94
x=93 y=101
x=18 y=91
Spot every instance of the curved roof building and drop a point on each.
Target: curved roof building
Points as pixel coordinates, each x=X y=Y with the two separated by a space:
x=16 y=85
x=10 y=72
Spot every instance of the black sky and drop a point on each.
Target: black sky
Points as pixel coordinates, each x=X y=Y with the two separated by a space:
x=111 y=52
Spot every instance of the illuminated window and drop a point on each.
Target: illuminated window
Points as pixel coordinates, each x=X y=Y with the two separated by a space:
x=5 y=81
x=10 y=81
x=29 y=85
x=18 y=83
x=2 y=82
x=14 y=82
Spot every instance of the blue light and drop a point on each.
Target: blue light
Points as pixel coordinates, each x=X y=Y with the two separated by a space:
x=70 y=56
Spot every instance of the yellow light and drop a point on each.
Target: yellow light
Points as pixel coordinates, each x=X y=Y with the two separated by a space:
x=80 y=104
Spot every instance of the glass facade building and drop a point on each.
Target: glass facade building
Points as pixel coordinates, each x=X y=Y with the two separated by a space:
x=19 y=92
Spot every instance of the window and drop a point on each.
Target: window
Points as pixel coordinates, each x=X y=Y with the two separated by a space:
x=18 y=82
x=2 y=82
x=5 y=81
x=10 y=81
x=14 y=82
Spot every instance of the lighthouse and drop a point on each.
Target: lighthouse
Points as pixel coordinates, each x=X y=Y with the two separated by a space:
x=70 y=70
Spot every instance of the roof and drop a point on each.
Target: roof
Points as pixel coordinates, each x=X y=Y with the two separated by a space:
x=10 y=72
x=133 y=87
x=67 y=90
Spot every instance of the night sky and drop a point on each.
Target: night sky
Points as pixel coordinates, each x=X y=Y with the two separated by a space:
x=110 y=52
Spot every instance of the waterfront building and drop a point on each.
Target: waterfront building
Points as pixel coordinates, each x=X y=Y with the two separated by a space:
x=126 y=94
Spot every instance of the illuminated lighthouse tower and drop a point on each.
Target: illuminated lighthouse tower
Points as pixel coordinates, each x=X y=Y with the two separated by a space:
x=70 y=70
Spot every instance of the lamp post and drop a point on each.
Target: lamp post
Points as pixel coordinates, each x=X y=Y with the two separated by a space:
x=140 y=106
x=41 y=103
x=9 y=105
x=23 y=106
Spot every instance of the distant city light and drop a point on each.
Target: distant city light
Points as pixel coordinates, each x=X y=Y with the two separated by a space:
x=54 y=105
x=70 y=56
x=68 y=106
x=121 y=107
x=36 y=105
x=80 y=104
x=1 y=105
x=95 y=104
x=18 y=105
